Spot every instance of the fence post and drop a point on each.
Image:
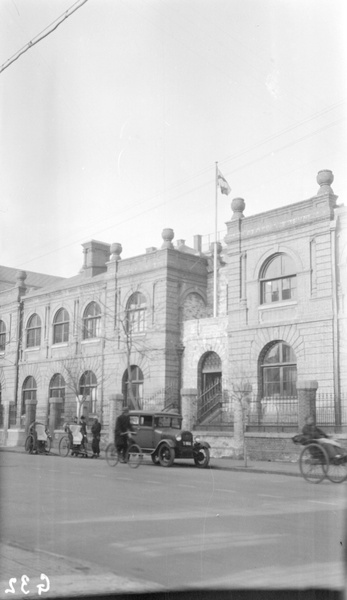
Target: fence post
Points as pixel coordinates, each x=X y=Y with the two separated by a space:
x=189 y=398
x=306 y=400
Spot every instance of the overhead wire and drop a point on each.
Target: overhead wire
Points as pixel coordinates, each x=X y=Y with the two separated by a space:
x=202 y=171
x=40 y=36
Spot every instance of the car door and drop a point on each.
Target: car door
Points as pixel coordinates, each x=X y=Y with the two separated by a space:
x=144 y=436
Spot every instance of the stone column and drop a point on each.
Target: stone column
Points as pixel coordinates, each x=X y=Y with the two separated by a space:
x=54 y=413
x=30 y=413
x=189 y=399
x=115 y=409
x=6 y=419
x=306 y=400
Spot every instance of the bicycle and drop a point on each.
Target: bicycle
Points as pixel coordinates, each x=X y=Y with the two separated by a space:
x=133 y=455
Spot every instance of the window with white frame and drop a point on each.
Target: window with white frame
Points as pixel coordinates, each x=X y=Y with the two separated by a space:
x=278 y=279
x=91 y=321
x=135 y=383
x=136 y=313
x=29 y=391
x=61 y=325
x=33 y=331
x=278 y=371
x=88 y=387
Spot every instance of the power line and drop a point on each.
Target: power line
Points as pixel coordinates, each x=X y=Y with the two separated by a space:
x=40 y=36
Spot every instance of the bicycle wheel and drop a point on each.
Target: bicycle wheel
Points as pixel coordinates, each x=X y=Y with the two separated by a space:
x=111 y=455
x=64 y=446
x=29 y=444
x=134 y=456
x=314 y=463
x=337 y=472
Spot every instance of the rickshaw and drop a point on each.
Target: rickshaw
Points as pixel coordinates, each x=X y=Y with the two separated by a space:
x=39 y=440
x=74 y=441
x=315 y=463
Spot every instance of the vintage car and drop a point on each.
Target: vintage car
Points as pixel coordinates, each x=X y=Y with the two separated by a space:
x=160 y=434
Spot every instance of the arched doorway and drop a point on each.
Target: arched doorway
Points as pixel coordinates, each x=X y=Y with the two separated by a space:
x=210 y=384
x=132 y=388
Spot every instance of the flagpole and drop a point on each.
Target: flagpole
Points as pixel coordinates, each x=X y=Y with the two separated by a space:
x=215 y=249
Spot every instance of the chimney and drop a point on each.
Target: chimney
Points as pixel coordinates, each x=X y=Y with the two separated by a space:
x=96 y=255
x=197 y=243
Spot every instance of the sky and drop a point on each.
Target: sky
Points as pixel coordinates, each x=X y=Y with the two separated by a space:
x=111 y=126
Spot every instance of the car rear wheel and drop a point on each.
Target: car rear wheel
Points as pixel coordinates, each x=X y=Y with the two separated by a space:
x=166 y=455
x=155 y=459
x=202 y=458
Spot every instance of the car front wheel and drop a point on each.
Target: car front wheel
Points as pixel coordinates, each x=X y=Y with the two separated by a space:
x=202 y=458
x=166 y=455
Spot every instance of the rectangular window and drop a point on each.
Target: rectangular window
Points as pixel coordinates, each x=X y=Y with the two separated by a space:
x=33 y=337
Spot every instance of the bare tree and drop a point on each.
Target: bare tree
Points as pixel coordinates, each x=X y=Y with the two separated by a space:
x=73 y=368
x=241 y=394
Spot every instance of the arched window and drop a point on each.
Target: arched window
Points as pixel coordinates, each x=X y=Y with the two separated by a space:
x=34 y=331
x=2 y=336
x=136 y=313
x=136 y=382
x=91 y=321
x=278 y=280
x=89 y=387
x=29 y=390
x=57 y=390
x=61 y=327
x=279 y=372
x=57 y=386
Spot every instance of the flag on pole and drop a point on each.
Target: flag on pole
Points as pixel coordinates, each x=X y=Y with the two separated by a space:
x=222 y=183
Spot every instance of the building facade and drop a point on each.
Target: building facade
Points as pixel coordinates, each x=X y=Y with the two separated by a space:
x=144 y=327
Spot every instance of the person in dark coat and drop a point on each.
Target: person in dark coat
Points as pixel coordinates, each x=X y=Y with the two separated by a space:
x=123 y=425
x=83 y=430
x=312 y=432
x=96 y=431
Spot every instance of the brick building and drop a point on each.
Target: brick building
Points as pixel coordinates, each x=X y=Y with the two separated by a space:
x=143 y=327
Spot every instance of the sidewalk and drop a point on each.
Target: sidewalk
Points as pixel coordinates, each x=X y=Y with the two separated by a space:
x=230 y=464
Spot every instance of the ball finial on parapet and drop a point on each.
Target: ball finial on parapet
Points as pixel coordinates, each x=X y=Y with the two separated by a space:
x=238 y=205
x=167 y=235
x=325 y=179
x=116 y=251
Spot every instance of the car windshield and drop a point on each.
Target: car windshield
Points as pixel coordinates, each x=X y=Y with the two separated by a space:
x=166 y=421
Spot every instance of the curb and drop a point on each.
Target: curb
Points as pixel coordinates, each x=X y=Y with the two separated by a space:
x=235 y=468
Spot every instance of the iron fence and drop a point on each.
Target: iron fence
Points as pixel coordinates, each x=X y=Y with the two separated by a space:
x=273 y=412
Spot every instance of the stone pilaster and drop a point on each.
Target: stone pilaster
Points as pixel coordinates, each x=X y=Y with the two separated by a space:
x=189 y=400
x=55 y=405
x=30 y=413
x=306 y=400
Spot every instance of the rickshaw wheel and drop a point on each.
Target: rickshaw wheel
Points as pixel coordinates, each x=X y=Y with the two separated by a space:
x=64 y=446
x=29 y=444
x=314 y=463
x=337 y=472
x=112 y=457
x=134 y=456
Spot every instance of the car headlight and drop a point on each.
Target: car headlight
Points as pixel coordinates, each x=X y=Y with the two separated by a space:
x=178 y=438
x=197 y=439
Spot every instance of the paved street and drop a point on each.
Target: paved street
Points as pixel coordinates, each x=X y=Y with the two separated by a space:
x=92 y=528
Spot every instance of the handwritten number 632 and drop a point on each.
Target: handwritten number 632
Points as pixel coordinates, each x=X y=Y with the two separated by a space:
x=41 y=587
